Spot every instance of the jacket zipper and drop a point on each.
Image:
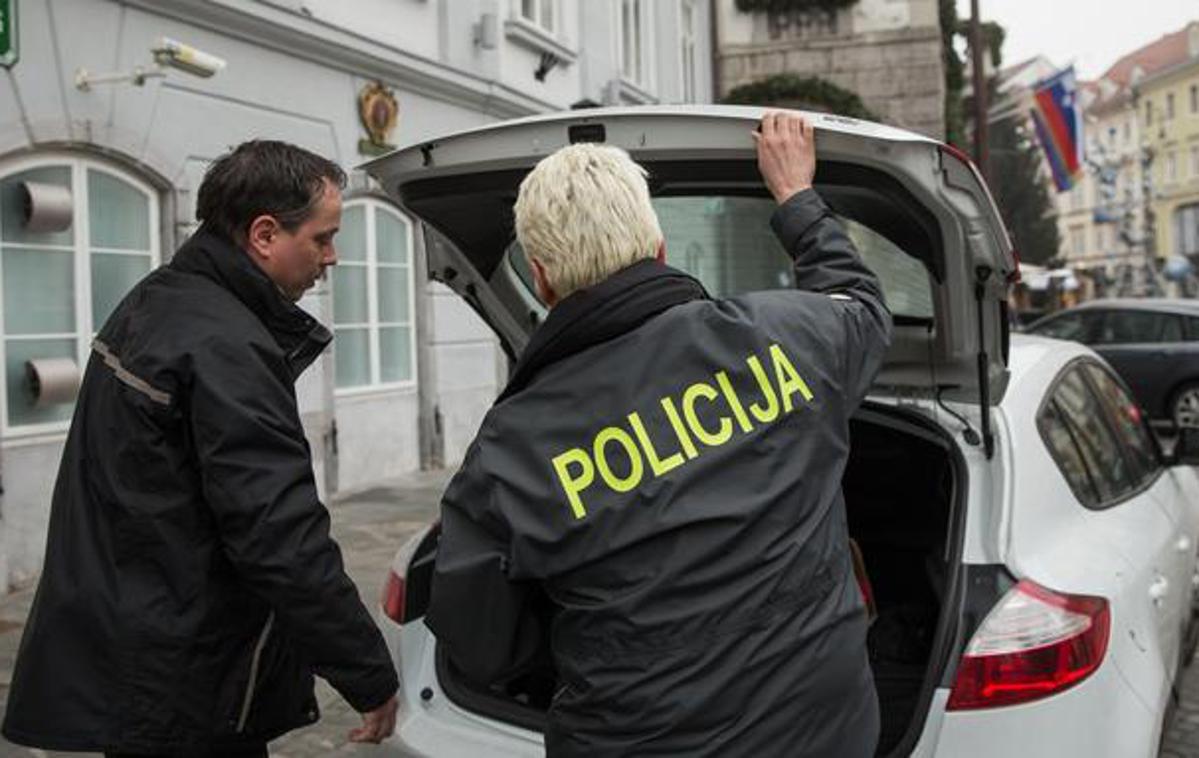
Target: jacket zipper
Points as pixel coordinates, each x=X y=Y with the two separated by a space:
x=250 y=685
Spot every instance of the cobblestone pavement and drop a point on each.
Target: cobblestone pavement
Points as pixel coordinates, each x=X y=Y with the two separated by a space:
x=370 y=525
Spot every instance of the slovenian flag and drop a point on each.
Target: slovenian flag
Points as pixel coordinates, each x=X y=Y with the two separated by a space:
x=1058 y=121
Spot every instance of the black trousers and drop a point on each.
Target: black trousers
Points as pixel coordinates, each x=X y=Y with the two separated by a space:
x=251 y=751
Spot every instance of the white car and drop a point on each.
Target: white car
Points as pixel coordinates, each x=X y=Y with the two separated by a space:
x=1031 y=550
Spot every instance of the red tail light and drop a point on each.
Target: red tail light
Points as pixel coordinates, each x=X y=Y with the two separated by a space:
x=1033 y=644
x=393 y=597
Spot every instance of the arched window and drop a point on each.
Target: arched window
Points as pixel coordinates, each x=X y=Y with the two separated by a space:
x=373 y=312
x=65 y=270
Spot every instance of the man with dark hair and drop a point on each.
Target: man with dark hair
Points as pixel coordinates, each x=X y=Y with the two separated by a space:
x=191 y=587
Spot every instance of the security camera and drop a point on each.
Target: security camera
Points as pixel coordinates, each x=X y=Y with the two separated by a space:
x=169 y=52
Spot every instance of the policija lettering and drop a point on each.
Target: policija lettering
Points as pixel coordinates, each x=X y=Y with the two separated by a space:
x=576 y=467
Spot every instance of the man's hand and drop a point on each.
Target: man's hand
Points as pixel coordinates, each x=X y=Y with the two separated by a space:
x=377 y=725
x=786 y=153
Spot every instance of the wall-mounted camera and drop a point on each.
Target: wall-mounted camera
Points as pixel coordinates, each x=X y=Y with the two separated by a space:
x=167 y=53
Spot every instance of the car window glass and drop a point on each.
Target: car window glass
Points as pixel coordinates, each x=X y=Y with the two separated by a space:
x=1065 y=327
x=1127 y=421
x=1171 y=328
x=1192 y=329
x=1128 y=326
x=1084 y=417
x=1066 y=454
x=726 y=242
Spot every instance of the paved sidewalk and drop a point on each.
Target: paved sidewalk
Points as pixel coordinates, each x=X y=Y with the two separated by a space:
x=370 y=526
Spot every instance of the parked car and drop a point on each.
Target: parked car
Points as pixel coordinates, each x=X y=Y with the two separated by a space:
x=1153 y=343
x=1031 y=549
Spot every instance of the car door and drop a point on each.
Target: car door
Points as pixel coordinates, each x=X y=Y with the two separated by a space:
x=1131 y=341
x=1167 y=486
x=1117 y=508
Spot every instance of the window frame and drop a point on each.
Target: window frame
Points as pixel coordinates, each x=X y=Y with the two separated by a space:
x=1079 y=364
x=371 y=204
x=644 y=16
x=537 y=22
x=688 y=39
x=79 y=165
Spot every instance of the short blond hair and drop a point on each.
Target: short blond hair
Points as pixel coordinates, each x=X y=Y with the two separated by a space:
x=584 y=213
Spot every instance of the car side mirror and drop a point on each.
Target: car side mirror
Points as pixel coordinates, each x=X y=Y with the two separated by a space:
x=1186 y=448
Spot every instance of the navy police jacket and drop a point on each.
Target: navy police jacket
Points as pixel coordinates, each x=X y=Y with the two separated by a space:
x=656 y=499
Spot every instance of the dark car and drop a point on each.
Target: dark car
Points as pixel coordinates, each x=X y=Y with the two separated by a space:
x=1153 y=343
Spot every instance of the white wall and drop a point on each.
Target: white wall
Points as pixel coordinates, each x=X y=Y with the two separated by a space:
x=294 y=70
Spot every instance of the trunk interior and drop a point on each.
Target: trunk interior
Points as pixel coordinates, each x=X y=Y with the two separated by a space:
x=900 y=489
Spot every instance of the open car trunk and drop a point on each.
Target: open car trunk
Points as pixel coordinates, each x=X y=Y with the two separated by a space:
x=903 y=488
x=924 y=223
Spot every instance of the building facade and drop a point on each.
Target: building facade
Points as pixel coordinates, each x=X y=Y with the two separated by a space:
x=888 y=52
x=98 y=183
x=1167 y=105
x=1137 y=204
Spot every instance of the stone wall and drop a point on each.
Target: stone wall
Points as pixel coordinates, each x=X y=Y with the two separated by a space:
x=898 y=72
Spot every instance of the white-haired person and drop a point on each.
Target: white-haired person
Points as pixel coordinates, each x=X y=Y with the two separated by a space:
x=655 y=498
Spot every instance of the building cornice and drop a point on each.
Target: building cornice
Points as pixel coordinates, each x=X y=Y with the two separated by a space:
x=294 y=34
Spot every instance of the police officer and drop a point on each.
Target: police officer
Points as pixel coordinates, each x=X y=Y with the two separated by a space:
x=663 y=475
x=191 y=588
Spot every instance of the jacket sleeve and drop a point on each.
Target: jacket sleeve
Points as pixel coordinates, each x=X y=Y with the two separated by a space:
x=491 y=626
x=827 y=262
x=256 y=475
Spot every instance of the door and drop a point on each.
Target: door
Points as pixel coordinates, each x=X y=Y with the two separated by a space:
x=918 y=196
x=1167 y=487
x=1117 y=508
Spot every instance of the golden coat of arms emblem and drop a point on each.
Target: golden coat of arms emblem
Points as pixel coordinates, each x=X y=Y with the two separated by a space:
x=379 y=111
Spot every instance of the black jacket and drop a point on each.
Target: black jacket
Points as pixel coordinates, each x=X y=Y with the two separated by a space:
x=665 y=468
x=191 y=587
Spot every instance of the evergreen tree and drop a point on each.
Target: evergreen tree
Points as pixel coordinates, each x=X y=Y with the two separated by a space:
x=1021 y=192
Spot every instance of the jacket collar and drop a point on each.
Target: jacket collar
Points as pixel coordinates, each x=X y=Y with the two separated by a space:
x=215 y=257
x=615 y=306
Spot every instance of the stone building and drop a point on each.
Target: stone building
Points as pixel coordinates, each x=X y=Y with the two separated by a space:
x=888 y=52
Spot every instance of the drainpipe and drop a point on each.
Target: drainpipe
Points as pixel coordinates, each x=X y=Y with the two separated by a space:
x=714 y=27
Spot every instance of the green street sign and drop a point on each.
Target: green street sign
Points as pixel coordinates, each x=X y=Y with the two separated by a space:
x=9 y=51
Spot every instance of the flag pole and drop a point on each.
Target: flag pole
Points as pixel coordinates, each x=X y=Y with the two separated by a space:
x=981 y=154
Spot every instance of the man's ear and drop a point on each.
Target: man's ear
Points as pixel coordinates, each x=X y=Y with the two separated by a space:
x=661 y=255
x=261 y=236
x=544 y=291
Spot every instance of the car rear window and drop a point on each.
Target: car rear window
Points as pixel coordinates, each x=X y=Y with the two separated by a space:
x=726 y=242
x=1127 y=421
x=1085 y=418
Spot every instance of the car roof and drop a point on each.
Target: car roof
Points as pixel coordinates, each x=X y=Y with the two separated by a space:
x=1159 y=304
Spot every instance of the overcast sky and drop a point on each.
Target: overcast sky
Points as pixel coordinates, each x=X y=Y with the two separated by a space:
x=1091 y=34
